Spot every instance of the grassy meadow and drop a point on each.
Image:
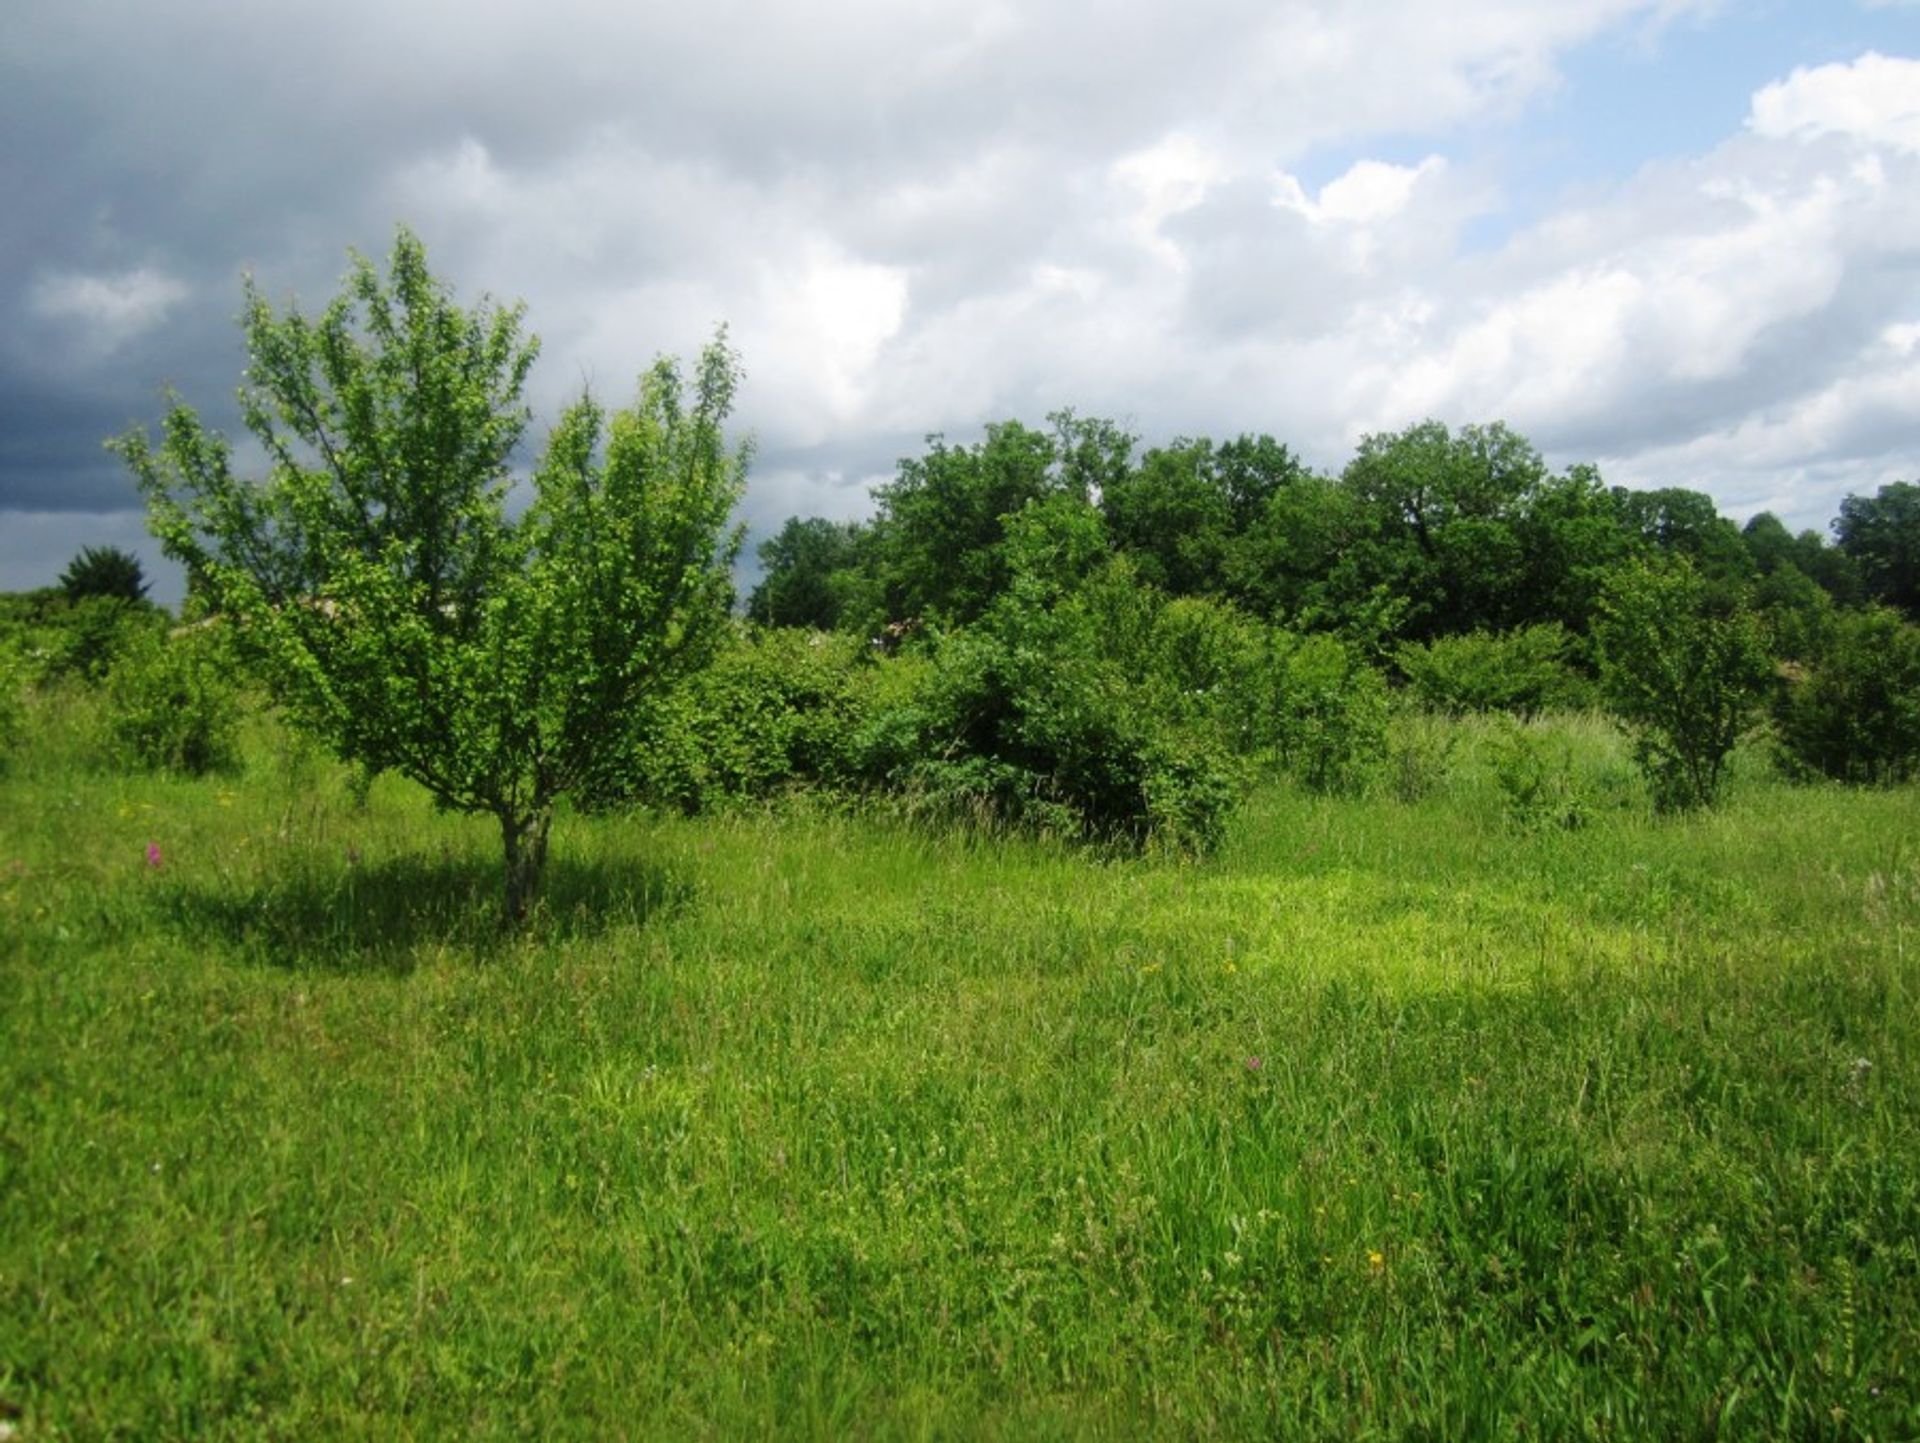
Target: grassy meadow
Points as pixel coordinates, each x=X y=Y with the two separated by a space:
x=1393 y=1119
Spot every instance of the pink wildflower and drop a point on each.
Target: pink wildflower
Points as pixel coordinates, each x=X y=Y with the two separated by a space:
x=153 y=854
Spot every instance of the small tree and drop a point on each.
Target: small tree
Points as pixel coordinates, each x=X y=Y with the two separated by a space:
x=377 y=581
x=104 y=571
x=1684 y=670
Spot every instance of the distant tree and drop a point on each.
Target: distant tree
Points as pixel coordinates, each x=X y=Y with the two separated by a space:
x=1855 y=716
x=1882 y=535
x=1184 y=511
x=1685 y=670
x=377 y=581
x=1173 y=516
x=104 y=571
x=799 y=563
x=1686 y=523
x=1446 y=508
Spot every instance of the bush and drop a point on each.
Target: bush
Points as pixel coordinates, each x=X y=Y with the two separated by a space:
x=1208 y=666
x=1026 y=719
x=1522 y=672
x=172 y=704
x=87 y=639
x=13 y=710
x=1685 y=670
x=776 y=709
x=1856 y=716
x=1328 y=715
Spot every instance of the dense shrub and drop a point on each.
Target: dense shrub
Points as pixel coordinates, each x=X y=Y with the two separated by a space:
x=1026 y=719
x=777 y=708
x=1856 y=716
x=13 y=685
x=84 y=641
x=1208 y=666
x=172 y=703
x=1522 y=672
x=1328 y=713
x=1685 y=669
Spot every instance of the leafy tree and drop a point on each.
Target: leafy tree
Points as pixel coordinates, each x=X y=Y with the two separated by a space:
x=1856 y=717
x=1445 y=506
x=1684 y=670
x=379 y=584
x=941 y=524
x=799 y=563
x=104 y=571
x=1882 y=535
x=1685 y=523
x=1183 y=511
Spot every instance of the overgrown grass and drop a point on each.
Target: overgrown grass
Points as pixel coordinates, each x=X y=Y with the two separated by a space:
x=1396 y=1119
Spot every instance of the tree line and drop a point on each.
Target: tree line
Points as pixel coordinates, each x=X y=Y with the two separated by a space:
x=1427 y=532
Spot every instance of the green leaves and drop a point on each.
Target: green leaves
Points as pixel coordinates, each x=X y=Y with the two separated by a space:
x=376 y=580
x=1685 y=669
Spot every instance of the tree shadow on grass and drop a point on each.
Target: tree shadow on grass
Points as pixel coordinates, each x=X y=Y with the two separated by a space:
x=380 y=917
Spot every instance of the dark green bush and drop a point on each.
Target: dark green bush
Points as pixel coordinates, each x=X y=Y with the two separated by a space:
x=1522 y=672
x=104 y=571
x=13 y=710
x=1856 y=715
x=1028 y=720
x=172 y=704
x=85 y=640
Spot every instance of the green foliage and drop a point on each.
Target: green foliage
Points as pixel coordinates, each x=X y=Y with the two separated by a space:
x=1856 y=716
x=1540 y=787
x=1881 y=535
x=14 y=676
x=85 y=639
x=1183 y=511
x=1329 y=713
x=379 y=586
x=1031 y=718
x=104 y=571
x=938 y=536
x=775 y=710
x=172 y=704
x=1522 y=672
x=1685 y=671
x=802 y=567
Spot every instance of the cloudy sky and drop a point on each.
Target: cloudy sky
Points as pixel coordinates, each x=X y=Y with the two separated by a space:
x=1678 y=237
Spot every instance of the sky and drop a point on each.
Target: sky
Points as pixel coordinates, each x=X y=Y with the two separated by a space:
x=1677 y=238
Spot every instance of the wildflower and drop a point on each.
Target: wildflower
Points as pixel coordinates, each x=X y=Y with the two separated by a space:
x=1253 y=1064
x=153 y=854
x=1376 y=1259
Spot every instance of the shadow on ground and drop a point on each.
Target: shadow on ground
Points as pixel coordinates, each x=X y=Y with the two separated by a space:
x=380 y=917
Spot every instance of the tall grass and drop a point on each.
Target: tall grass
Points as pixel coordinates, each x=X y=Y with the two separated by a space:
x=1395 y=1119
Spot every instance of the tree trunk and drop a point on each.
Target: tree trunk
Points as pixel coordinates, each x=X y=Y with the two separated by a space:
x=525 y=839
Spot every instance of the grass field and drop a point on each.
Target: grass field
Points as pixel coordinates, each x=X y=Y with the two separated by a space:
x=1391 y=1120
